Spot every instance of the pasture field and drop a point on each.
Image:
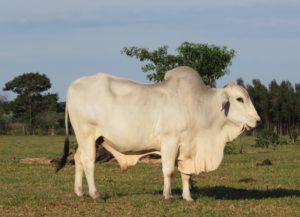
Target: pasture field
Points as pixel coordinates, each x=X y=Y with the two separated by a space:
x=238 y=188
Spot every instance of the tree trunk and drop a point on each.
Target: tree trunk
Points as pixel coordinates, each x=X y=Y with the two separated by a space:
x=23 y=129
x=52 y=131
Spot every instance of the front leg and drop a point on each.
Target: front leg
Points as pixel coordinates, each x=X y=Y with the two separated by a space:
x=185 y=178
x=169 y=150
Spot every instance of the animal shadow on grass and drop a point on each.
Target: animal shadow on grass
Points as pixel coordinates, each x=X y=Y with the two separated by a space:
x=224 y=193
x=230 y=193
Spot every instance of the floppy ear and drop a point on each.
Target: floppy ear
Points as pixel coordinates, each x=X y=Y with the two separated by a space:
x=225 y=103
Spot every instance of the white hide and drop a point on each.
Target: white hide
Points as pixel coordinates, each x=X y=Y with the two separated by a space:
x=180 y=118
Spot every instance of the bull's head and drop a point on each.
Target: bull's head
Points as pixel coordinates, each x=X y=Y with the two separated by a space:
x=238 y=107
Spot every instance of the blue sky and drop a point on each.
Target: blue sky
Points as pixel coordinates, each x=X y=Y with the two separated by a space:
x=67 y=39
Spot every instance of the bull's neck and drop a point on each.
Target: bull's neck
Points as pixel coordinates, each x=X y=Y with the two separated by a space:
x=227 y=130
x=230 y=131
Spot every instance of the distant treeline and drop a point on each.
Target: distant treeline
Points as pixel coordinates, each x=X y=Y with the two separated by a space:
x=277 y=104
x=35 y=112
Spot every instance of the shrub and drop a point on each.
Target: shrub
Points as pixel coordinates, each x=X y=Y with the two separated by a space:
x=265 y=138
x=293 y=135
x=229 y=148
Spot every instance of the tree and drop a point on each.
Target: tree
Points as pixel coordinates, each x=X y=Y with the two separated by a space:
x=275 y=105
x=30 y=100
x=261 y=102
x=2 y=104
x=5 y=117
x=297 y=105
x=210 y=61
x=287 y=105
x=240 y=82
x=260 y=98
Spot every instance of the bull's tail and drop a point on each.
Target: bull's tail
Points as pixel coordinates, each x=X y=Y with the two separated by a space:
x=62 y=162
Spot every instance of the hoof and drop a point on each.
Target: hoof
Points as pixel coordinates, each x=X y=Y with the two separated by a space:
x=83 y=196
x=103 y=196
x=100 y=196
x=190 y=200
x=79 y=192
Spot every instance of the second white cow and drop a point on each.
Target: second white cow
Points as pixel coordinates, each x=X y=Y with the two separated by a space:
x=180 y=119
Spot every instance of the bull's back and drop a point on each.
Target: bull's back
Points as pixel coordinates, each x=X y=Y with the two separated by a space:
x=122 y=111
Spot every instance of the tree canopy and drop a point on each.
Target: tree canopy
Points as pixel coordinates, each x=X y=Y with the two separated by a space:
x=210 y=61
x=28 y=84
x=31 y=100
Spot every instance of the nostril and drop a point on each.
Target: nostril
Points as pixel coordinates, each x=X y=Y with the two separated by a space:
x=258 y=122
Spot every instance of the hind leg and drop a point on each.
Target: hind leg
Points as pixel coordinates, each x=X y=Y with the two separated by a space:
x=85 y=162
x=78 y=175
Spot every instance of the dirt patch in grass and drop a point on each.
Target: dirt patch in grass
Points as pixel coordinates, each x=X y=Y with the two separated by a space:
x=30 y=160
x=247 y=180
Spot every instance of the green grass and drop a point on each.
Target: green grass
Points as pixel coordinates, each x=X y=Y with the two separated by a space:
x=35 y=190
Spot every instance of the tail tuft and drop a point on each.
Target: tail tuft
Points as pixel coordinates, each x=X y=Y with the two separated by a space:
x=62 y=162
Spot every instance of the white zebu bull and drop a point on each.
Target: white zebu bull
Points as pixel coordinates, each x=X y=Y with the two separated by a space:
x=180 y=119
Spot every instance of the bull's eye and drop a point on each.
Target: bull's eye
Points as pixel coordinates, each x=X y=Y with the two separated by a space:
x=240 y=99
